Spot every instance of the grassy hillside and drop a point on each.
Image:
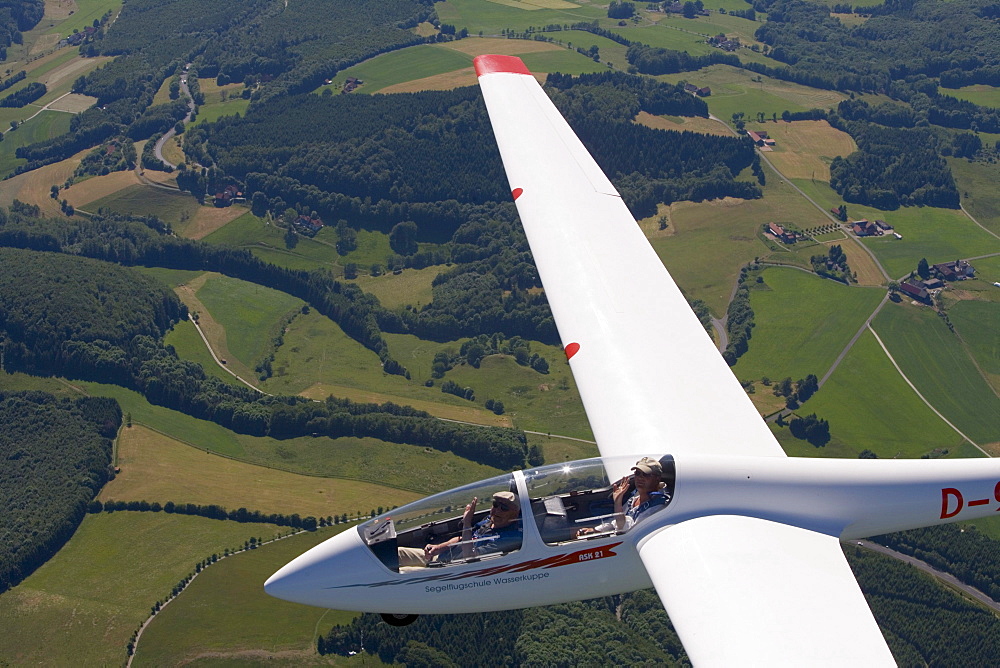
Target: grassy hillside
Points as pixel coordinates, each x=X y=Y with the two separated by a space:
x=82 y=606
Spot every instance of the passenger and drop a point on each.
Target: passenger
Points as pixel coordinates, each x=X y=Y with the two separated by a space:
x=498 y=532
x=650 y=495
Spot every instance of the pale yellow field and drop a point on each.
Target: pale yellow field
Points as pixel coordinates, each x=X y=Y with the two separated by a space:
x=473 y=414
x=71 y=70
x=83 y=193
x=694 y=124
x=213 y=92
x=173 y=152
x=155 y=467
x=34 y=187
x=446 y=81
x=59 y=9
x=805 y=149
x=208 y=219
x=73 y=103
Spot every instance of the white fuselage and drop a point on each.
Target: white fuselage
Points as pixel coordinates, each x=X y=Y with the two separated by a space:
x=848 y=499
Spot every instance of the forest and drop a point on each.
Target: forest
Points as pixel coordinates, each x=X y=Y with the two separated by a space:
x=17 y=16
x=408 y=154
x=55 y=455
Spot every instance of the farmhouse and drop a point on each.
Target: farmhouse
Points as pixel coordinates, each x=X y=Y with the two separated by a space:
x=351 y=84
x=866 y=228
x=959 y=270
x=725 y=43
x=780 y=233
x=915 y=289
x=308 y=226
x=228 y=196
x=933 y=283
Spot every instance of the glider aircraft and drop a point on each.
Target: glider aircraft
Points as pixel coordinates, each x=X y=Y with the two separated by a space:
x=746 y=556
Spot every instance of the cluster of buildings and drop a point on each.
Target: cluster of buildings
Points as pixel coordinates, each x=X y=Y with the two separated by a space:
x=78 y=38
x=921 y=290
x=869 y=228
x=760 y=138
x=229 y=195
x=695 y=90
x=720 y=41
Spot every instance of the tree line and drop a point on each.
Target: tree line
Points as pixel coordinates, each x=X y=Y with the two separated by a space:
x=56 y=456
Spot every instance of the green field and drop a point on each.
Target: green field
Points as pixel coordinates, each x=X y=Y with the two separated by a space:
x=251 y=314
x=939 y=235
x=170 y=277
x=46 y=125
x=803 y=323
x=981 y=94
x=935 y=362
x=737 y=90
x=492 y=17
x=225 y=613
x=416 y=62
x=571 y=62
x=209 y=113
x=870 y=406
x=977 y=184
x=978 y=323
x=410 y=288
x=81 y=607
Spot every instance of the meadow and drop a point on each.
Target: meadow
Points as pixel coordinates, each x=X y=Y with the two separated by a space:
x=45 y=125
x=803 y=322
x=190 y=346
x=396 y=67
x=492 y=17
x=935 y=362
x=182 y=211
x=981 y=94
x=410 y=288
x=251 y=315
x=225 y=618
x=978 y=323
x=737 y=90
x=77 y=15
x=712 y=240
x=870 y=407
x=155 y=467
x=81 y=607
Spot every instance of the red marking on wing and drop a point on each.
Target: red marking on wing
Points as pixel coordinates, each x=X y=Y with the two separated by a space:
x=516 y=192
x=979 y=502
x=493 y=63
x=572 y=349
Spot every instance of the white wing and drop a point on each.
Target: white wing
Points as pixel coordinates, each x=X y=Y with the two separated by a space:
x=650 y=376
x=743 y=591
x=739 y=590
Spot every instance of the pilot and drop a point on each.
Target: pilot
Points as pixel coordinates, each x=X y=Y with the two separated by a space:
x=650 y=495
x=500 y=531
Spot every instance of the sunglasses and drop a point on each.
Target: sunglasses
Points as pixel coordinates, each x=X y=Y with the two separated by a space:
x=502 y=506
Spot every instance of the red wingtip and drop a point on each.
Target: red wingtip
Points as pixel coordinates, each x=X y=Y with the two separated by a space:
x=494 y=63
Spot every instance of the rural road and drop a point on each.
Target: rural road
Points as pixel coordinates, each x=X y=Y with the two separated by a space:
x=169 y=134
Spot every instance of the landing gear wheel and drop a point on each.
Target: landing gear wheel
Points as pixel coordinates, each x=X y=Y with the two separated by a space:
x=398 y=620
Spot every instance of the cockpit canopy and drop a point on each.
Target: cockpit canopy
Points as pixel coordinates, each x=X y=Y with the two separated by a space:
x=565 y=502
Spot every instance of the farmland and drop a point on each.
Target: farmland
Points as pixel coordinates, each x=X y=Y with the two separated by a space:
x=803 y=323
x=934 y=360
x=70 y=613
